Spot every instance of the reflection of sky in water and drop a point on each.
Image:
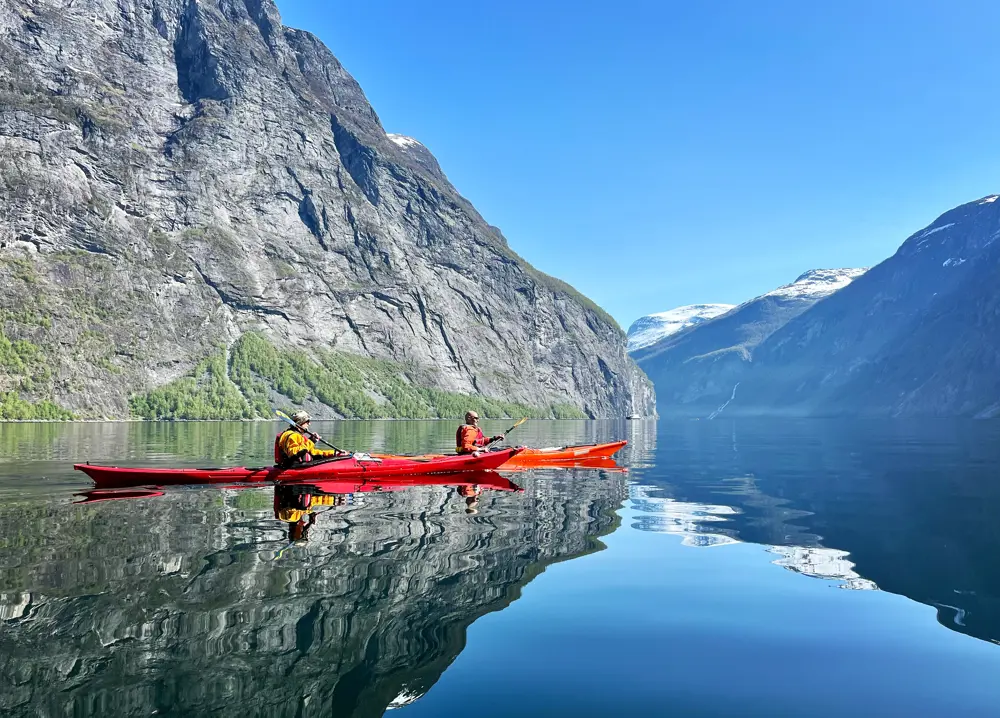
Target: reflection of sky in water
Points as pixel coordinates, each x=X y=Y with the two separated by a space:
x=701 y=525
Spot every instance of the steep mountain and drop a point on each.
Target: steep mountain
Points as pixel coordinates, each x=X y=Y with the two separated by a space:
x=918 y=335
x=695 y=370
x=652 y=328
x=201 y=215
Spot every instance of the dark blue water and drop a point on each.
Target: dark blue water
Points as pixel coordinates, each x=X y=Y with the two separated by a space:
x=751 y=569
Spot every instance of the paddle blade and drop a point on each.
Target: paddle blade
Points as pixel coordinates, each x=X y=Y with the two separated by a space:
x=284 y=417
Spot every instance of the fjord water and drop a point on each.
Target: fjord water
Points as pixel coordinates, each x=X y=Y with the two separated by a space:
x=810 y=568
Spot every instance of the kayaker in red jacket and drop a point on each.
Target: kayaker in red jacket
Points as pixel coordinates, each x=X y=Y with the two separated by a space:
x=470 y=438
x=292 y=446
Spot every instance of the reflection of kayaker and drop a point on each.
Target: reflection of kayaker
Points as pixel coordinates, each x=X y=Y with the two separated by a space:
x=471 y=492
x=297 y=506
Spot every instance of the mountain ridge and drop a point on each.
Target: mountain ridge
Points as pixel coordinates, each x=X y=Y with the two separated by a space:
x=696 y=369
x=651 y=328
x=916 y=335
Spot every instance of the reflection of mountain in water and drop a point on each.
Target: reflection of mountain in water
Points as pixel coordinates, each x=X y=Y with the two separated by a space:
x=909 y=507
x=700 y=525
x=177 y=604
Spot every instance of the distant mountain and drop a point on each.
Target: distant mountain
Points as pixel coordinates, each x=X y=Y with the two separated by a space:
x=695 y=370
x=652 y=328
x=917 y=335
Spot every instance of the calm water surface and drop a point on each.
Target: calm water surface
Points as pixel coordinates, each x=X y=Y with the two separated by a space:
x=737 y=569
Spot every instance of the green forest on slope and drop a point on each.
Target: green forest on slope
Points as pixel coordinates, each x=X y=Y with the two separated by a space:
x=244 y=385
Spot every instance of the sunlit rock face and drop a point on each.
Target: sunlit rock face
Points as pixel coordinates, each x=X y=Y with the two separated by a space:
x=194 y=603
x=177 y=173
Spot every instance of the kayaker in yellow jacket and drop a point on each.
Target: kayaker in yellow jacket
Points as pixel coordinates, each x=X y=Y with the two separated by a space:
x=292 y=446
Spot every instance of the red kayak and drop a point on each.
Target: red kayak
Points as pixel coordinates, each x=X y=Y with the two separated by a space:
x=355 y=466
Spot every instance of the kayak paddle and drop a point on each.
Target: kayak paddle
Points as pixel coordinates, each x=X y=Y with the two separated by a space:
x=507 y=432
x=316 y=437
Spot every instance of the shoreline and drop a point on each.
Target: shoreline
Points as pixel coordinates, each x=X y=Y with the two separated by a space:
x=258 y=421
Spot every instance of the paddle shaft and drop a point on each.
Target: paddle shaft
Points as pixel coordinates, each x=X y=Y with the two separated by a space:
x=488 y=445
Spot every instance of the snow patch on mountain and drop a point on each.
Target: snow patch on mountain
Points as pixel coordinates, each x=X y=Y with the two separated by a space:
x=654 y=327
x=988 y=200
x=817 y=283
x=403 y=141
x=928 y=232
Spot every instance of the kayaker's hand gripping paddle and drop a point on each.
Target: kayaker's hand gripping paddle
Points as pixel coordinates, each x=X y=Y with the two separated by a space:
x=286 y=418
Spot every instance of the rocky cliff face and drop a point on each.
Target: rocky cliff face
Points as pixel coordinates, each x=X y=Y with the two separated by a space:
x=177 y=173
x=696 y=370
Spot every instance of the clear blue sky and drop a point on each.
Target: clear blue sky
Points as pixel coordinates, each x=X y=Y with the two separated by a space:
x=656 y=154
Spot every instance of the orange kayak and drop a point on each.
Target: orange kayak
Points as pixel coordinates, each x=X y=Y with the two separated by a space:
x=553 y=455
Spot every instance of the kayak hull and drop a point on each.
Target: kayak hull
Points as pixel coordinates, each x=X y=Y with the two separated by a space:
x=554 y=456
x=336 y=469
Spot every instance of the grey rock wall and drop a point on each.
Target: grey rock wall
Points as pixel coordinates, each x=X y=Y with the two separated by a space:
x=174 y=173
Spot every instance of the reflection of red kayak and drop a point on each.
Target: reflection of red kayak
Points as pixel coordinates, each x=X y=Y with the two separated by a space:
x=482 y=479
x=351 y=467
x=599 y=462
x=92 y=497
x=527 y=457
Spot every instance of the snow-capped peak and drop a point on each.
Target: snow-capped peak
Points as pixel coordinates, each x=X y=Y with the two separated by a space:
x=403 y=141
x=817 y=283
x=991 y=198
x=405 y=698
x=654 y=327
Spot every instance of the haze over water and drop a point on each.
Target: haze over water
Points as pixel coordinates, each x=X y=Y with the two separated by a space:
x=811 y=568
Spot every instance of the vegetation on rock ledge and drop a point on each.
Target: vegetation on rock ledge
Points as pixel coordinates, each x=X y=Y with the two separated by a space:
x=257 y=375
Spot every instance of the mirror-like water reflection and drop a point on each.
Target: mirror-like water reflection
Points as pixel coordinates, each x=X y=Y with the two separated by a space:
x=543 y=592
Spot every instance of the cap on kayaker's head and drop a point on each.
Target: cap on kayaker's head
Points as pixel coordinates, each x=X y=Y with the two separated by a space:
x=301 y=418
x=471 y=417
